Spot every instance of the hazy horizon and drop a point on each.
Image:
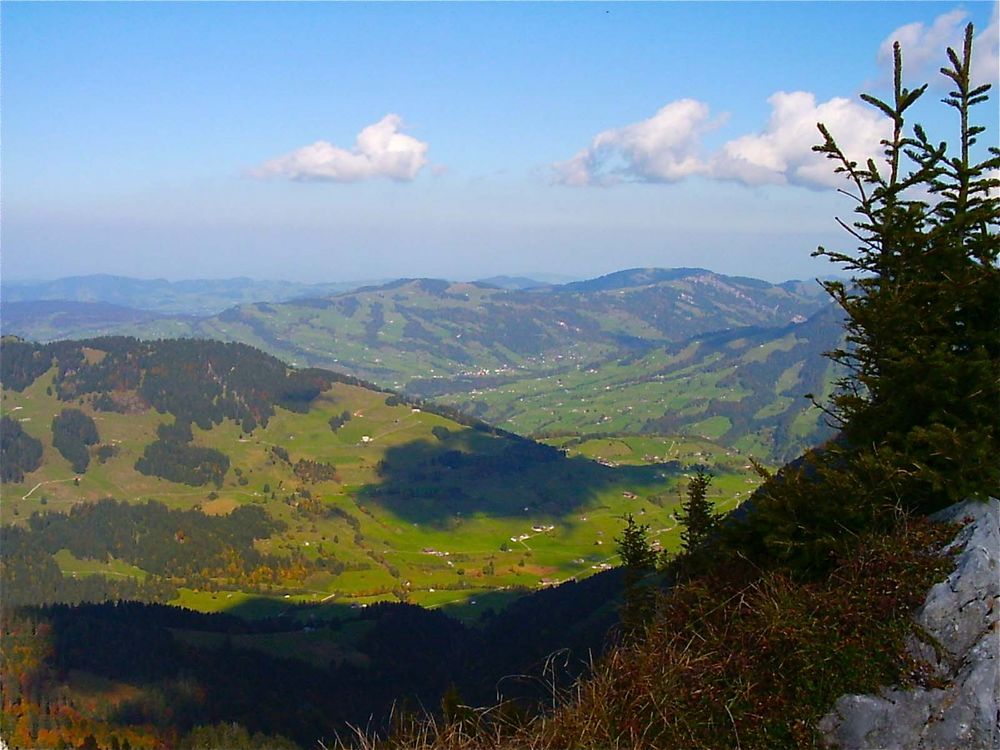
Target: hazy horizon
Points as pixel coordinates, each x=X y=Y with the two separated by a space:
x=548 y=278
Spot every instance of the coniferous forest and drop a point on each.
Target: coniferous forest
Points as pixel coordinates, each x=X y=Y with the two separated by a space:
x=19 y=452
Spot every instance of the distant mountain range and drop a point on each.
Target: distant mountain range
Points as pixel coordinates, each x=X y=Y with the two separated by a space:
x=623 y=307
x=534 y=358
x=201 y=296
x=513 y=282
x=191 y=297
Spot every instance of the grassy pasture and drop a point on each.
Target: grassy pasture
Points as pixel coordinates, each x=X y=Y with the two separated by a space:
x=413 y=529
x=74 y=566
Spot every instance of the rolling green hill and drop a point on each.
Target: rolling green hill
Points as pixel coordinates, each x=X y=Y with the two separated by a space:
x=425 y=327
x=744 y=388
x=362 y=495
x=645 y=350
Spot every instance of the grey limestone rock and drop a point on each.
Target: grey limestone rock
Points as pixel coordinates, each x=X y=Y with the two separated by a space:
x=961 y=622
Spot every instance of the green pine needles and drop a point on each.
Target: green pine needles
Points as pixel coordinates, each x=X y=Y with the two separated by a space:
x=696 y=515
x=918 y=405
x=639 y=558
x=923 y=311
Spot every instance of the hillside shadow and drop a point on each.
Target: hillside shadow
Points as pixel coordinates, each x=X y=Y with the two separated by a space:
x=188 y=668
x=295 y=614
x=468 y=472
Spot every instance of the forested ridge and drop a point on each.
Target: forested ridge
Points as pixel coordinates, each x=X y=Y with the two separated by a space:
x=198 y=382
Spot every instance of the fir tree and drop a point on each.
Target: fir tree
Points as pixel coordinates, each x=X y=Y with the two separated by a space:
x=639 y=559
x=696 y=515
x=919 y=403
x=633 y=546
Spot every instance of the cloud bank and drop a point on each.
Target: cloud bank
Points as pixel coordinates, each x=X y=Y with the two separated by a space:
x=380 y=150
x=667 y=146
x=782 y=153
x=663 y=148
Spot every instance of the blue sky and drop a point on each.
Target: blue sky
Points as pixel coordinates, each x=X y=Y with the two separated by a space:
x=335 y=141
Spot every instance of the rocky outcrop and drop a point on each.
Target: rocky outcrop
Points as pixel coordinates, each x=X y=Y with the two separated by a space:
x=959 y=625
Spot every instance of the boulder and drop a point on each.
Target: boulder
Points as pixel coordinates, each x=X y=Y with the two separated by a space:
x=959 y=627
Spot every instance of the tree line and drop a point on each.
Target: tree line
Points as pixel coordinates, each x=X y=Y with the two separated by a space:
x=173 y=547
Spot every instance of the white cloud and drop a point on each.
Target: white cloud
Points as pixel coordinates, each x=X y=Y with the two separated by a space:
x=666 y=147
x=663 y=148
x=380 y=150
x=783 y=154
x=578 y=171
x=986 y=52
x=923 y=47
x=993 y=174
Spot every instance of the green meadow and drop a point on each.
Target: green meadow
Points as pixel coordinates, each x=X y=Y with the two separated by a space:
x=445 y=517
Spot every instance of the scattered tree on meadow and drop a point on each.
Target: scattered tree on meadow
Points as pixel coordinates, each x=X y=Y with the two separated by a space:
x=339 y=420
x=73 y=432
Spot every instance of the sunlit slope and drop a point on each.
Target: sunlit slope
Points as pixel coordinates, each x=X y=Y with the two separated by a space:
x=411 y=505
x=745 y=388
